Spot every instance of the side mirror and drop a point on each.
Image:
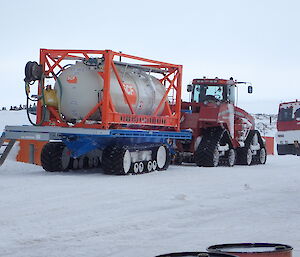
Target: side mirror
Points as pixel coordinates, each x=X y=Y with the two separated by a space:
x=250 y=89
x=189 y=88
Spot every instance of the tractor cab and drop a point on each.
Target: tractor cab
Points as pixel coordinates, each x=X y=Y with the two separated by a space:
x=212 y=103
x=212 y=90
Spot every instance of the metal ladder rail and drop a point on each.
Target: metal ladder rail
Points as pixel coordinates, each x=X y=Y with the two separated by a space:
x=8 y=146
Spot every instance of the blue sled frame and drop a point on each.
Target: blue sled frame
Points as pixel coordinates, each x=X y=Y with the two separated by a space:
x=81 y=141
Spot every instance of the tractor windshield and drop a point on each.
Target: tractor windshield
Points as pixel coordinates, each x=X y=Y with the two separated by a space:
x=208 y=93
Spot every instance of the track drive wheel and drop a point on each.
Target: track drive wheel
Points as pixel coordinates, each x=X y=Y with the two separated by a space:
x=163 y=157
x=230 y=157
x=55 y=156
x=262 y=156
x=245 y=156
x=116 y=160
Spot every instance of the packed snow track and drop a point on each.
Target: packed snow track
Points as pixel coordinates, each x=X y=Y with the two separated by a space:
x=186 y=208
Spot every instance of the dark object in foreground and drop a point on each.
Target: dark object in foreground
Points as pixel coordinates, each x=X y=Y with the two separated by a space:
x=253 y=249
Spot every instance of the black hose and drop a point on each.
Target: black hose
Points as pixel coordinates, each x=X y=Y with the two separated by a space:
x=35 y=100
x=63 y=68
x=27 y=95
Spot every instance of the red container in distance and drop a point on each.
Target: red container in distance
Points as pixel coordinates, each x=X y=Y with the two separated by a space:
x=253 y=249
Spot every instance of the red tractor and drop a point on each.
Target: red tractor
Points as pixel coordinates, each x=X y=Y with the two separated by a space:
x=223 y=134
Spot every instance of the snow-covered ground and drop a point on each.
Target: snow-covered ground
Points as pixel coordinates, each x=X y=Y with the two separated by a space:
x=186 y=208
x=266 y=123
x=13 y=118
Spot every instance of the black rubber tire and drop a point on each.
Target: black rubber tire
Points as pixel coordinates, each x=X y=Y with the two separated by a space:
x=51 y=157
x=112 y=160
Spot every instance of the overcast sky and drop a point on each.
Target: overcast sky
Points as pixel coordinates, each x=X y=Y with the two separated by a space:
x=252 y=40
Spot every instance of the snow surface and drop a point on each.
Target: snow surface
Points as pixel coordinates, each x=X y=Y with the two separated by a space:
x=13 y=118
x=186 y=208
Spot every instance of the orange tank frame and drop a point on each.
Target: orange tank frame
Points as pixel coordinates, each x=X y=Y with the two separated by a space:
x=52 y=62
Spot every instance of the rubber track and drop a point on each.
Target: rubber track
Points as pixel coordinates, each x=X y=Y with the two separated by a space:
x=51 y=156
x=256 y=157
x=204 y=153
x=112 y=161
x=242 y=152
x=226 y=139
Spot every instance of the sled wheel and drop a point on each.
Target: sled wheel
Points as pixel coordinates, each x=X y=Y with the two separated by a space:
x=136 y=168
x=154 y=165
x=141 y=167
x=149 y=166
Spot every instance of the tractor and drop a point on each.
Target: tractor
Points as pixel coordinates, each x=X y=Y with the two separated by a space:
x=222 y=133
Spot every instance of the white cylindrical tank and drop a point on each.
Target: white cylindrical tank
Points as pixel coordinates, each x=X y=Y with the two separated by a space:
x=80 y=87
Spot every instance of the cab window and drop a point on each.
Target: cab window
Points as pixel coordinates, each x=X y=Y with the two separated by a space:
x=285 y=114
x=205 y=93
